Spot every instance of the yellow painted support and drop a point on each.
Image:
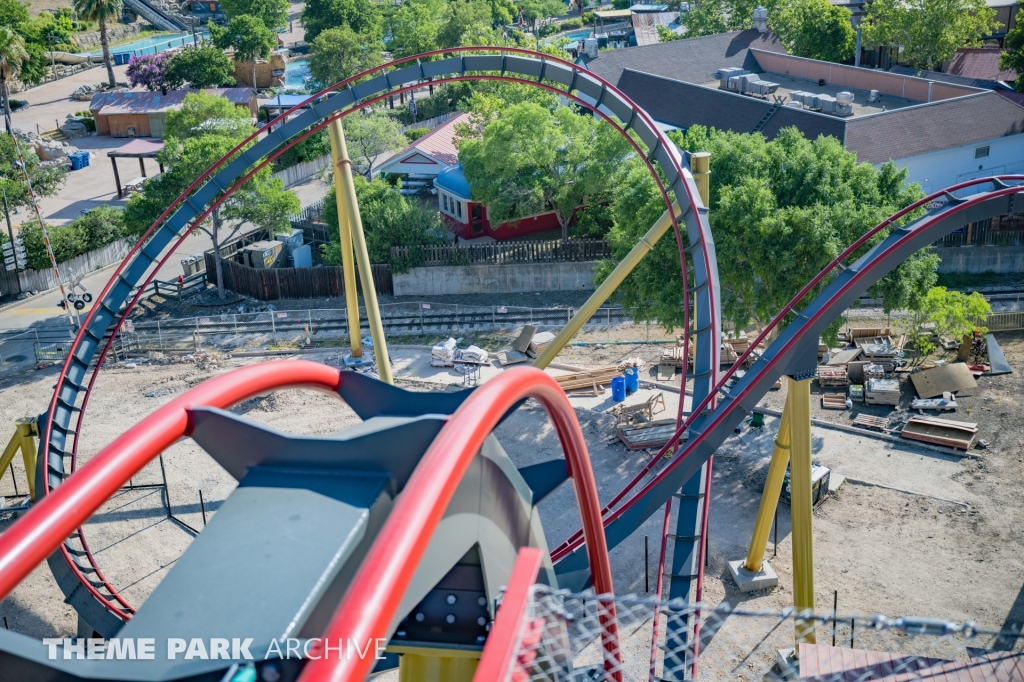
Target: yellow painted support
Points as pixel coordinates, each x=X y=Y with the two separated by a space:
x=607 y=287
x=348 y=265
x=772 y=490
x=801 y=506
x=24 y=438
x=423 y=664
x=700 y=166
x=344 y=169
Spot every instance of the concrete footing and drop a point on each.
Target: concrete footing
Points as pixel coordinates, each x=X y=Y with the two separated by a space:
x=751 y=581
x=359 y=363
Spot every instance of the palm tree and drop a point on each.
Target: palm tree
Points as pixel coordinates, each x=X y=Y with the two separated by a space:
x=101 y=11
x=12 y=55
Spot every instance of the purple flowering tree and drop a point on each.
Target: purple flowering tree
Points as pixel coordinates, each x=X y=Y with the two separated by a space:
x=149 y=71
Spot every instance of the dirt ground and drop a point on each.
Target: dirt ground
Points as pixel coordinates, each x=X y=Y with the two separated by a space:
x=882 y=550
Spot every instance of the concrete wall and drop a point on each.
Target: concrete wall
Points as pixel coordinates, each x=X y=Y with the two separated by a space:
x=488 y=278
x=975 y=259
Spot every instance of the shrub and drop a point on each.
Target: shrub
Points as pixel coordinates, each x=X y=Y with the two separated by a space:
x=415 y=134
x=570 y=24
x=102 y=226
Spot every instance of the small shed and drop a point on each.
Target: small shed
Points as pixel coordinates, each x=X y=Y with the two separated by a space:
x=144 y=114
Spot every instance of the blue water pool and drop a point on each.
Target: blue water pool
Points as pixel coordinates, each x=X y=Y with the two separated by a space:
x=573 y=36
x=152 y=45
x=295 y=73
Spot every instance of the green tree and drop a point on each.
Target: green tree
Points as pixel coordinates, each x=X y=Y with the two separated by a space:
x=815 y=29
x=1013 y=57
x=370 y=137
x=339 y=53
x=534 y=10
x=12 y=56
x=667 y=35
x=530 y=160
x=45 y=181
x=780 y=211
x=273 y=13
x=364 y=17
x=928 y=32
x=946 y=314
x=249 y=37
x=261 y=201
x=13 y=12
x=460 y=19
x=706 y=18
x=101 y=11
x=389 y=219
x=414 y=27
x=205 y=114
x=201 y=67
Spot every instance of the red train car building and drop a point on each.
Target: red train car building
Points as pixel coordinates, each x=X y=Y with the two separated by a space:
x=468 y=218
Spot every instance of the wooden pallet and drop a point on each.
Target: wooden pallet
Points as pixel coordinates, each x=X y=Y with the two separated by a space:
x=833 y=401
x=650 y=435
x=832 y=376
x=871 y=421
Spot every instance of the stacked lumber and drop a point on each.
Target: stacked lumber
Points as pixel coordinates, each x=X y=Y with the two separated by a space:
x=650 y=435
x=843 y=357
x=833 y=401
x=953 y=434
x=832 y=376
x=595 y=379
x=867 y=332
x=882 y=392
x=673 y=356
x=727 y=356
x=539 y=343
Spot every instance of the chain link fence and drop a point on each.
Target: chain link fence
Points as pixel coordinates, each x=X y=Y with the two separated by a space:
x=561 y=641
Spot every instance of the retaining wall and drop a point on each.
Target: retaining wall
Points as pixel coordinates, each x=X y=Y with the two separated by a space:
x=488 y=278
x=977 y=259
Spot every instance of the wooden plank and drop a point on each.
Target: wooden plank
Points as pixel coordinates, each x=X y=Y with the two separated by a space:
x=844 y=357
x=954 y=378
x=940 y=432
x=833 y=401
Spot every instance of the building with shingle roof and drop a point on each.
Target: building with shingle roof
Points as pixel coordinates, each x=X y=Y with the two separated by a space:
x=942 y=132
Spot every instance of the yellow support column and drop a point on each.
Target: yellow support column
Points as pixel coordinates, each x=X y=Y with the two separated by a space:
x=607 y=287
x=801 y=507
x=700 y=166
x=380 y=347
x=770 y=496
x=24 y=438
x=348 y=265
x=422 y=664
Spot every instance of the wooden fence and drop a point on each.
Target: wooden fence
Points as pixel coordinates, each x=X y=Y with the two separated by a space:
x=1004 y=322
x=13 y=283
x=278 y=283
x=551 y=251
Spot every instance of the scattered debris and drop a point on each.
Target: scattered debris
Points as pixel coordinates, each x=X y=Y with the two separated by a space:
x=646 y=410
x=636 y=363
x=996 y=359
x=857 y=392
x=522 y=344
x=595 y=379
x=844 y=357
x=946 y=402
x=539 y=343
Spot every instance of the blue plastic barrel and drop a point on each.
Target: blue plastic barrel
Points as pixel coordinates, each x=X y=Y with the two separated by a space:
x=618 y=389
x=76 y=161
x=632 y=380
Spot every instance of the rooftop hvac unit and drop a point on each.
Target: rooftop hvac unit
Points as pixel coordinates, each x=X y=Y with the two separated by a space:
x=794 y=104
x=762 y=88
x=590 y=47
x=723 y=75
x=844 y=98
x=873 y=96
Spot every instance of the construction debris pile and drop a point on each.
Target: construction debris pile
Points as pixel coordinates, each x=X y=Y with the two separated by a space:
x=443 y=354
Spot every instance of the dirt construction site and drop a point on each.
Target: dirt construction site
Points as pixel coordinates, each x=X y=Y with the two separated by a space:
x=908 y=529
